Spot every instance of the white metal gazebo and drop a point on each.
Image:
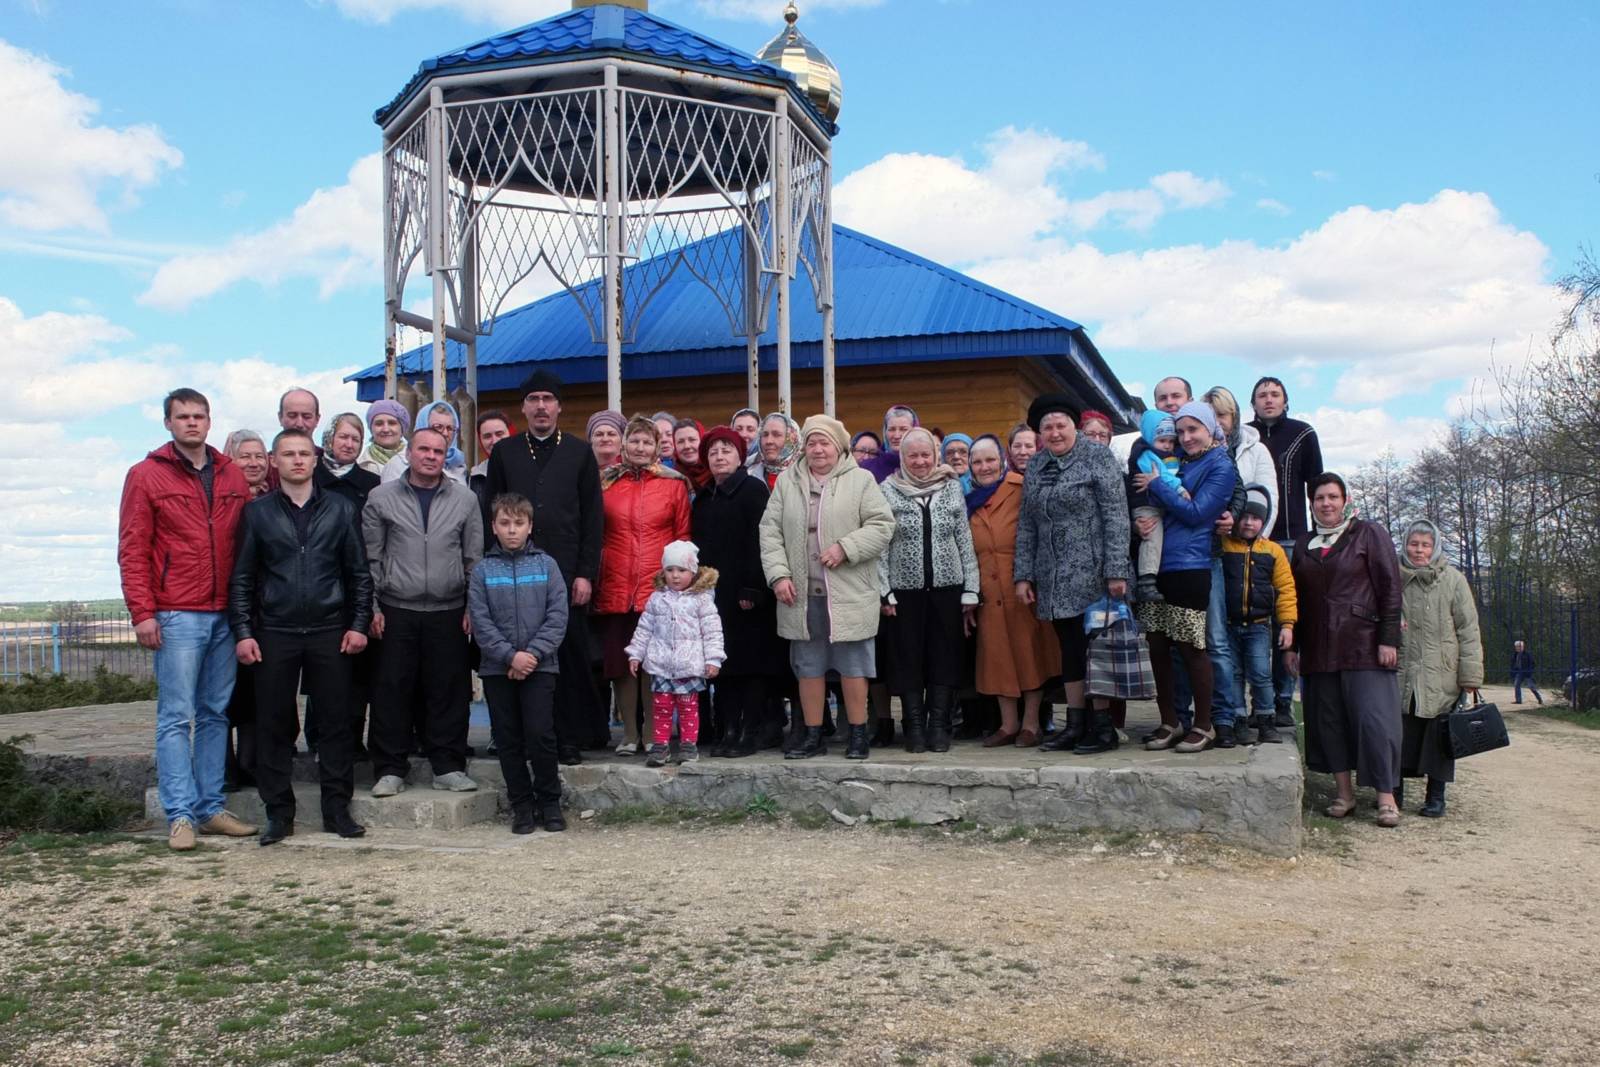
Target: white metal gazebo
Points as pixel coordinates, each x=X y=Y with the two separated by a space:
x=607 y=142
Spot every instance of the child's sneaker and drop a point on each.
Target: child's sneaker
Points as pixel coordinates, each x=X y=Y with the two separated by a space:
x=688 y=752
x=1145 y=590
x=658 y=756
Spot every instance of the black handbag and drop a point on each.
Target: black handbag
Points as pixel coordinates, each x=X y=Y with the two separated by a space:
x=1470 y=730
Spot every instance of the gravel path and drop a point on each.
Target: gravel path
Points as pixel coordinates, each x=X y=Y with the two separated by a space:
x=1469 y=940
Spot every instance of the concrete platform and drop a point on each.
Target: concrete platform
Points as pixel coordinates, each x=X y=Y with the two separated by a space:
x=415 y=809
x=1244 y=796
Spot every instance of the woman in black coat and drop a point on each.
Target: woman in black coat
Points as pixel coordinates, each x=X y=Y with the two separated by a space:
x=726 y=521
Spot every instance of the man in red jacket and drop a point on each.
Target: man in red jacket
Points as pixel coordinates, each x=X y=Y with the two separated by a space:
x=175 y=545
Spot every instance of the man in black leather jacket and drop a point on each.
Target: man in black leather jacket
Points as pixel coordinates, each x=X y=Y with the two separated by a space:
x=300 y=599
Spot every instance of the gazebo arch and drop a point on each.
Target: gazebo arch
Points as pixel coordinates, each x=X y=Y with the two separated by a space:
x=605 y=143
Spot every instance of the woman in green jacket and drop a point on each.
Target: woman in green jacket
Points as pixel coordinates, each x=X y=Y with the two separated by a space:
x=821 y=535
x=1441 y=659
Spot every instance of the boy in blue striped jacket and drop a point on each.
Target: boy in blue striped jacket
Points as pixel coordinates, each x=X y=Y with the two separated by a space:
x=518 y=603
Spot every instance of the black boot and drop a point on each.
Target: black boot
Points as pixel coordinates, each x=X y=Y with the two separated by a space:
x=337 y=820
x=883 y=733
x=1072 y=731
x=811 y=743
x=941 y=699
x=554 y=821
x=522 y=820
x=1267 y=730
x=278 y=828
x=1101 y=735
x=914 y=722
x=1433 y=804
x=857 y=748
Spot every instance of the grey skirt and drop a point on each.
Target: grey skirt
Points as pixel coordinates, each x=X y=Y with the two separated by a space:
x=816 y=656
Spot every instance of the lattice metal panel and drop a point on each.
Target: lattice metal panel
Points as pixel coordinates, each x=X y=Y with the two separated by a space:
x=526 y=179
x=407 y=220
x=694 y=170
x=809 y=183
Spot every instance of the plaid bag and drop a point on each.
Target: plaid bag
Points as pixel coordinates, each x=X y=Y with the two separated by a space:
x=1119 y=663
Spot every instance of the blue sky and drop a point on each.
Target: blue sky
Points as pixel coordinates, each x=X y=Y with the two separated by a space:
x=1365 y=198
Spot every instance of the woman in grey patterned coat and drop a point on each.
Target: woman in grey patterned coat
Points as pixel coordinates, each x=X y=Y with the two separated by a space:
x=1072 y=548
x=929 y=583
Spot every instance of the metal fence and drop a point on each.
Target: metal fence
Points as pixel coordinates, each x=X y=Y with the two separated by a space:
x=1562 y=632
x=74 y=645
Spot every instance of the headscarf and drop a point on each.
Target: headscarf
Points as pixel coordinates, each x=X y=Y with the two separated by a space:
x=914 y=487
x=1090 y=414
x=606 y=417
x=454 y=459
x=978 y=495
x=856 y=439
x=887 y=461
x=1324 y=537
x=1205 y=414
x=786 y=458
x=1429 y=571
x=693 y=469
x=752 y=412
x=379 y=454
x=897 y=409
x=338 y=470
x=637 y=424
x=966 y=478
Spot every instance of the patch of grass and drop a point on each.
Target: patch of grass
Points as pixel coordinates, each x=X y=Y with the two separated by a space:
x=1589 y=720
x=762 y=806
x=28 y=804
x=795 y=1050
x=43 y=692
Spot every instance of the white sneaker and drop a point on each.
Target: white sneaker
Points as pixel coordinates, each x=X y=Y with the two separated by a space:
x=455 y=782
x=629 y=748
x=388 y=786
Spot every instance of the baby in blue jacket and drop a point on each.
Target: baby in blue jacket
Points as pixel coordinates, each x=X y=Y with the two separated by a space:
x=1159 y=456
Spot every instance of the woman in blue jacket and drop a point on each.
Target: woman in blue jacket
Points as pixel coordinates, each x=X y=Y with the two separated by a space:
x=1207 y=475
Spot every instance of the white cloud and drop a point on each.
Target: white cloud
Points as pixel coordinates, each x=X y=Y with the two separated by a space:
x=58 y=359
x=948 y=210
x=510 y=13
x=1325 y=175
x=766 y=10
x=1272 y=207
x=335 y=238
x=244 y=394
x=57 y=161
x=1351 y=437
x=1399 y=298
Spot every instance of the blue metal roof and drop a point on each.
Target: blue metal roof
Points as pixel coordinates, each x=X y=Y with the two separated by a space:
x=892 y=307
x=608 y=29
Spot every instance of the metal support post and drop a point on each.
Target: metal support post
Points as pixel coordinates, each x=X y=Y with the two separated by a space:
x=391 y=299
x=825 y=284
x=752 y=323
x=783 y=233
x=613 y=238
x=438 y=243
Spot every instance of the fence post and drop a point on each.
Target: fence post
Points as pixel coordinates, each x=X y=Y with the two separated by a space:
x=55 y=648
x=1572 y=670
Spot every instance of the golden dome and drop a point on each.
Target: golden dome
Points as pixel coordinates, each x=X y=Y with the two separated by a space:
x=815 y=72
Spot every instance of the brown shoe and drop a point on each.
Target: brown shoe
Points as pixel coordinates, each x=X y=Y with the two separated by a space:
x=1027 y=739
x=226 y=824
x=1388 y=816
x=180 y=836
x=1000 y=737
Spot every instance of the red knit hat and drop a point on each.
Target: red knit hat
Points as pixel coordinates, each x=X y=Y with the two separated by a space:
x=721 y=433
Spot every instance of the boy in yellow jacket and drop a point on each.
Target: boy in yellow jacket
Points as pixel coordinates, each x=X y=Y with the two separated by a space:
x=1260 y=589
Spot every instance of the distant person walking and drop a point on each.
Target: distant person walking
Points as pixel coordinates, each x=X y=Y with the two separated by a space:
x=1522 y=668
x=175 y=539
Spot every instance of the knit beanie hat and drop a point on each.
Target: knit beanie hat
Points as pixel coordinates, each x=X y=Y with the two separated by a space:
x=1202 y=413
x=613 y=419
x=727 y=435
x=1256 y=501
x=683 y=554
x=394 y=408
x=1167 y=427
x=825 y=425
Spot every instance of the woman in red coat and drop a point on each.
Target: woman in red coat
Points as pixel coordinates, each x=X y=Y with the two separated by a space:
x=646 y=508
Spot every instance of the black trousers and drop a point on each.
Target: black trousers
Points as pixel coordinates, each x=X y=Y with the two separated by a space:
x=581 y=721
x=362 y=668
x=924 y=639
x=284 y=657
x=240 y=766
x=738 y=705
x=524 y=732
x=424 y=659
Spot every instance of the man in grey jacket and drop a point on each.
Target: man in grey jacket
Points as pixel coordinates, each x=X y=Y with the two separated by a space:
x=424 y=534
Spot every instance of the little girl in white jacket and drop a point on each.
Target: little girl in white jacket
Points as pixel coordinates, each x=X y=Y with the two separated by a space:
x=679 y=643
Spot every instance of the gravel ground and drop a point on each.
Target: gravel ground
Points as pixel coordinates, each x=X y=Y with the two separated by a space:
x=1470 y=940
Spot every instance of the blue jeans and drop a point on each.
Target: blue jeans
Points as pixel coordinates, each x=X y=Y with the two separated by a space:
x=1224 y=664
x=1252 y=648
x=1525 y=678
x=194 y=679
x=1283 y=683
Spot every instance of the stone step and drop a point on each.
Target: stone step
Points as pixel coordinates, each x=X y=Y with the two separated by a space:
x=415 y=809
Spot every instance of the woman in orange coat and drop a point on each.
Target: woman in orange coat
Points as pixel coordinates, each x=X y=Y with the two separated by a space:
x=1017 y=653
x=646 y=508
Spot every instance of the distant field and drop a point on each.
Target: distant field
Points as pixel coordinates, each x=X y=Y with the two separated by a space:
x=45 y=610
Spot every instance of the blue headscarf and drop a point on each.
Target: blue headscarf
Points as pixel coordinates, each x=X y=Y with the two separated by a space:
x=454 y=458
x=978 y=495
x=966 y=475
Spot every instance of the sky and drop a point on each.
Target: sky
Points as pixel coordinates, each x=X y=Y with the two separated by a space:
x=1372 y=201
